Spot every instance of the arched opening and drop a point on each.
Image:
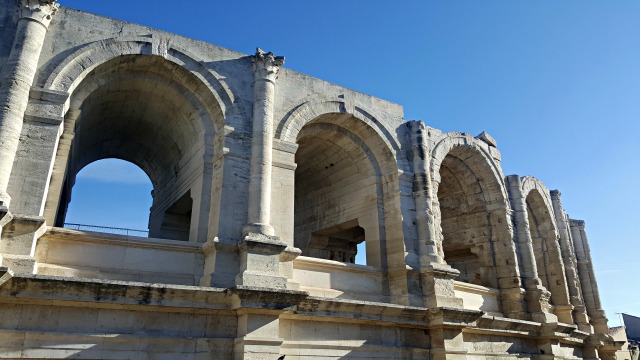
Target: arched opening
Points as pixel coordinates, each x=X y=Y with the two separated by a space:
x=546 y=248
x=472 y=216
x=337 y=204
x=111 y=195
x=157 y=115
x=346 y=205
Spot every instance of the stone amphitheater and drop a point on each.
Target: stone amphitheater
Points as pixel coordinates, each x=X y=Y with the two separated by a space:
x=266 y=183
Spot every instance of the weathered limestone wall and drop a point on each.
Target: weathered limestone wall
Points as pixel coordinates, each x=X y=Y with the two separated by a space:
x=313 y=339
x=265 y=180
x=62 y=329
x=63 y=252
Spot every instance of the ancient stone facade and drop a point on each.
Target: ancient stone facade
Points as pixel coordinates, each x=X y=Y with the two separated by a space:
x=266 y=182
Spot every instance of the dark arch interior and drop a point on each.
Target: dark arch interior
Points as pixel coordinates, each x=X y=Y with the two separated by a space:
x=464 y=196
x=150 y=112
x=336 y=196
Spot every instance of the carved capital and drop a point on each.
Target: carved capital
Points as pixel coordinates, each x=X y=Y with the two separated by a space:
x=266 y=65
x=41 y=11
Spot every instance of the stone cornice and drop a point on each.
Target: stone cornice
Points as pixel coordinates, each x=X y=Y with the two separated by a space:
x=579 y=223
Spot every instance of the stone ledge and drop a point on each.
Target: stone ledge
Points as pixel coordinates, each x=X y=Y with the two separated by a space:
x=357 y=311
x=23 y=224
x=349 y=345
x=265 y=298
x=285 y=146
x=475 y=289
x=109 y=293
x=566 y=333
x=262 y=244
x=120 y=274
x=62 y=234
x=305 y=262
x=43 y=119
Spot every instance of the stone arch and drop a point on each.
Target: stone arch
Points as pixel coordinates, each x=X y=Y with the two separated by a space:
x=347 y=176
x=546 y=248
x=191 y=142
x=452 y=140
x=71 y=70
x=289 y=127
x=472 y=216
x=530 y=183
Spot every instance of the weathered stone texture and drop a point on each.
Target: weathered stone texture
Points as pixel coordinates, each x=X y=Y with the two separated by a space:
x=267 y=184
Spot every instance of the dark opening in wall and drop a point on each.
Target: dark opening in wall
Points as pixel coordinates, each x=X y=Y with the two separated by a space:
x=176 y=221
x=339 y=242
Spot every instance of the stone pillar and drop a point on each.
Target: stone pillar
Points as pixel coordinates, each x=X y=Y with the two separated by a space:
x=570 y=264
x=588 y=278
x=435 y=275
x=446 y=332
x=265 y=71
x=258 y=337
x=537 y=296
x=16 y=80
x=260 y=250
x=430 y=248
x=258 y=332
x=500 y=252
x=282 y=205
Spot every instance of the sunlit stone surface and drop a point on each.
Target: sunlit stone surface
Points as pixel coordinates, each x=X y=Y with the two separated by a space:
x=266 y=182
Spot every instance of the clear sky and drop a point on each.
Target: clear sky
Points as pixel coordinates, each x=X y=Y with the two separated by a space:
x=557 y=84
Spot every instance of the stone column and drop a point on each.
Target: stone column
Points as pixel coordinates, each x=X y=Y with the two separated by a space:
x=568 y=257
x=446 y=332
x=258 y=312
x=435 y=275
x=537 y=296
x=265 y=71
x=429 y=247
x=260 y=250
x=499 y=252
x=284 y=170
x=16 y=80
x=258 y=337
x=588 y=278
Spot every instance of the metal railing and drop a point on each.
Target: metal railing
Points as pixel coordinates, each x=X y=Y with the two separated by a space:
x=107 y=229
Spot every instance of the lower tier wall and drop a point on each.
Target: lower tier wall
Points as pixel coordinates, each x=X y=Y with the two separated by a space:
x=56 y=318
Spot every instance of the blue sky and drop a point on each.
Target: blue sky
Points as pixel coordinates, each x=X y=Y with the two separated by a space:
x=557 y=84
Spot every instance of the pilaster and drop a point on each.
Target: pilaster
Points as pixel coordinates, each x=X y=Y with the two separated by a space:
x=429 y=246
x=587 y=276
x=500 y=252
x=282 y=204
x=18 y=235
x=436 y=276
x=16 y=81
x=258 y=337
x=258 y=332
x=570 y=264
x=445 y=331
x=209 y=249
